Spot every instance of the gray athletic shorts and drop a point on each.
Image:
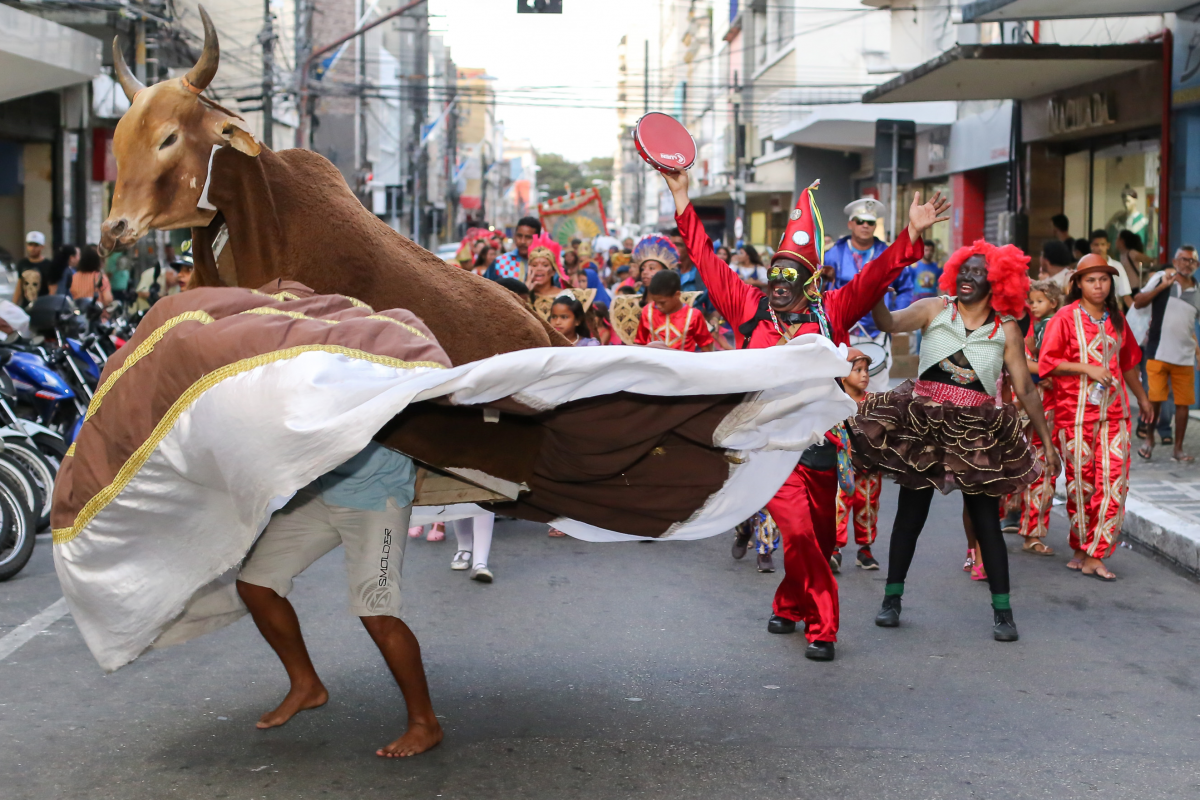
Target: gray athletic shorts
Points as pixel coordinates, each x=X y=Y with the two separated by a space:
x=308 y=528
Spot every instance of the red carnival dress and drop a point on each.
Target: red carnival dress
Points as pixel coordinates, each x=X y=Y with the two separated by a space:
x=1038 y=496
x=805 y=506
x=685 y=329
x=862 y=507
x=1093 y=437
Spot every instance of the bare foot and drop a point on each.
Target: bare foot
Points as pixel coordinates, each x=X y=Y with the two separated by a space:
x=419 y=737
x=297 y=700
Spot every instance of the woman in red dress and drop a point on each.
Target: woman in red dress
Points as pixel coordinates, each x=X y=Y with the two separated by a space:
x=1090 y=355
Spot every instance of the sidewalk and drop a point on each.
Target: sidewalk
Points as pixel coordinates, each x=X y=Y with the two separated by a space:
x=1163 y=509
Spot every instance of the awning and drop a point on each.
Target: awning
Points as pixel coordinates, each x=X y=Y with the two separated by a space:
x=851 y=126
x=37 y=55
x=1011 y=10
x=1011 y=71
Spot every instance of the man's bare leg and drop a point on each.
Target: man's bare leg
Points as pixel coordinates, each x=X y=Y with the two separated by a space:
x=402 y=652
x=277 y=622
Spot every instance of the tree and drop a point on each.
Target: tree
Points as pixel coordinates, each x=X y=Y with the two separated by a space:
x=555 y=173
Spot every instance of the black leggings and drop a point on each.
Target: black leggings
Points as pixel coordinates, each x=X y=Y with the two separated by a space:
x=911 y=511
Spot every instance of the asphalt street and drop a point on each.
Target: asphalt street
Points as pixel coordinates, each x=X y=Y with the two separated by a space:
x=641 y=670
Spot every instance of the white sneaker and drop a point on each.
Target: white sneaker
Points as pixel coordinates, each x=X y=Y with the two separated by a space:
x=481 y=573
x=461 y=560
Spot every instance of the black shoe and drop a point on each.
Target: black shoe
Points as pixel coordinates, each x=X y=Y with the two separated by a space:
x=780 y=625
x=1011 y=522
x=1005 y=629
x=765 y=563
x=835 y=562
x=865 y=559
x=740 y=541
x=889 y=614
x=819 y=651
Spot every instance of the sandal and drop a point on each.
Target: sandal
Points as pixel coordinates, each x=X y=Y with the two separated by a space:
x=1037 y=547
x=1183 y=458
x=970 y=562
x=1168 y=439
x=437 y=532
x=1145 y=451
x=1101 y=573
x=977 y=573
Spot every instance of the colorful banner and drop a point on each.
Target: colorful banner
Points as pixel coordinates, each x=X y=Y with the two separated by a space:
x=578 y=215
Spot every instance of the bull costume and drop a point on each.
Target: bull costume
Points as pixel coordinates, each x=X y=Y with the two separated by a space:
x=804 y=508
x=295 y=352
x=946 y=430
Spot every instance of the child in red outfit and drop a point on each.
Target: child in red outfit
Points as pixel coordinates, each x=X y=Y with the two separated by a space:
x=863 y=504
x=667 y=320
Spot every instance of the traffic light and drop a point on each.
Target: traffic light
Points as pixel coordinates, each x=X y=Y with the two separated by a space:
x=539 y=6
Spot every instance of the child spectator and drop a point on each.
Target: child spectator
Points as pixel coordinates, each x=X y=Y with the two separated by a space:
x=666 y=319
x=568 y=317
x=863 y=505
x=1045 y=298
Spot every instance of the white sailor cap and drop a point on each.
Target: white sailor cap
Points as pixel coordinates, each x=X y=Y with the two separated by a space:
x=866 y=208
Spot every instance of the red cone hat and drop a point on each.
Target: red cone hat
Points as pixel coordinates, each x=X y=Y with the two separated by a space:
x=804 y=238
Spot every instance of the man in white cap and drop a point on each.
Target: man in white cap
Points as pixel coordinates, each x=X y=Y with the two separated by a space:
x=848 y=256
x=32 y=280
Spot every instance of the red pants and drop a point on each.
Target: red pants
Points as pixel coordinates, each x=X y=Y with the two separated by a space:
x=804 y=509
x=1038 y=496
x=862 y=507
x=1096 y=463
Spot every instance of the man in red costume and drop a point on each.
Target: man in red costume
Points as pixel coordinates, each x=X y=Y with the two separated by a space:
x=804 y=508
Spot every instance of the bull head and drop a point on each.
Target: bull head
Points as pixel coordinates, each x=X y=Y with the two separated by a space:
x=162 y=146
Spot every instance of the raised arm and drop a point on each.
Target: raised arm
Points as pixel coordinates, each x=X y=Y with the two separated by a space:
x=913 y=318
x=852 y=301
x=728 y=293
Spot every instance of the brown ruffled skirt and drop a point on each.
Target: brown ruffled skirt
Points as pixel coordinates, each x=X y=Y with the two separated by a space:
x=921 y=442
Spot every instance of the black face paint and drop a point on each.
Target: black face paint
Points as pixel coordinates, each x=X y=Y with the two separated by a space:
x=783 y=293
x=972 y=283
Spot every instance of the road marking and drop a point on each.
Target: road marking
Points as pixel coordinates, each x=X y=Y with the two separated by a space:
x=32 y=627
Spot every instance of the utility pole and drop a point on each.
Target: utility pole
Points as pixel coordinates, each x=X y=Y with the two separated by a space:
x=139 y=52
x=641 y=209
x=267 y=40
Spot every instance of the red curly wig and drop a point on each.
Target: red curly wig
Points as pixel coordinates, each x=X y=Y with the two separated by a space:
x=1008 y=272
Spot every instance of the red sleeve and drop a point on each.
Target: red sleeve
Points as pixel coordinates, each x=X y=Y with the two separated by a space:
x=1056 y=343
x=852 y=302
x=736 y=300
x=1130 y=355
x=701 y=336
x=643 y=331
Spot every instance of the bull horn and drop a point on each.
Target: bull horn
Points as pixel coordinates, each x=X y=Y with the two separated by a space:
x=130 y=84
x=201 y=75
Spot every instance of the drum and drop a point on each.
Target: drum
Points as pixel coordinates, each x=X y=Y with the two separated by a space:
x=664 y=143
x=877 y=353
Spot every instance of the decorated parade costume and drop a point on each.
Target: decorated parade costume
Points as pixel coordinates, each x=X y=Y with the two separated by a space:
x=804 y=508
x=1092 y=425
x=685 y=329
x=1038 y=496
x=946 y=431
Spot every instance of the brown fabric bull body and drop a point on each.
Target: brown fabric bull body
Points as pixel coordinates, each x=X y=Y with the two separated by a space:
x=626 y=462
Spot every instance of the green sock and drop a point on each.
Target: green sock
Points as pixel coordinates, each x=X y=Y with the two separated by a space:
x=1000 y=602
x=894 y=589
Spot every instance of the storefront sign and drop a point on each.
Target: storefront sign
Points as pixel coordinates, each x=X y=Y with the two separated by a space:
x=1067 y=115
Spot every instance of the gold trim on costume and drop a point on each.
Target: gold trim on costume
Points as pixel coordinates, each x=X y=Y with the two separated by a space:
x=140 y=352
x=136 y=461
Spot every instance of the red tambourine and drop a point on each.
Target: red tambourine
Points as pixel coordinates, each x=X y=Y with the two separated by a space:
x=664 y=143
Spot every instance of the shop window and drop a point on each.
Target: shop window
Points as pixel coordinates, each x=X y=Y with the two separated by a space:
x=1125 y=192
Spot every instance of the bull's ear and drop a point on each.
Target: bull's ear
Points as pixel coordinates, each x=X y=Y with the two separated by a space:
x=239 y=138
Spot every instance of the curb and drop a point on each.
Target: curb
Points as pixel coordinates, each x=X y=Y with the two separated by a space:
x=1166 y=535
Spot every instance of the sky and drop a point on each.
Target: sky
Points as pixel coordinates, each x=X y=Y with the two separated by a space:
x=556 y=75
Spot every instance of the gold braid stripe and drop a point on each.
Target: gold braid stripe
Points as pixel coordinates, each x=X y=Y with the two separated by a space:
x=271 y=310
x=140 y=352
x=190 y=396
x=404 y=325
